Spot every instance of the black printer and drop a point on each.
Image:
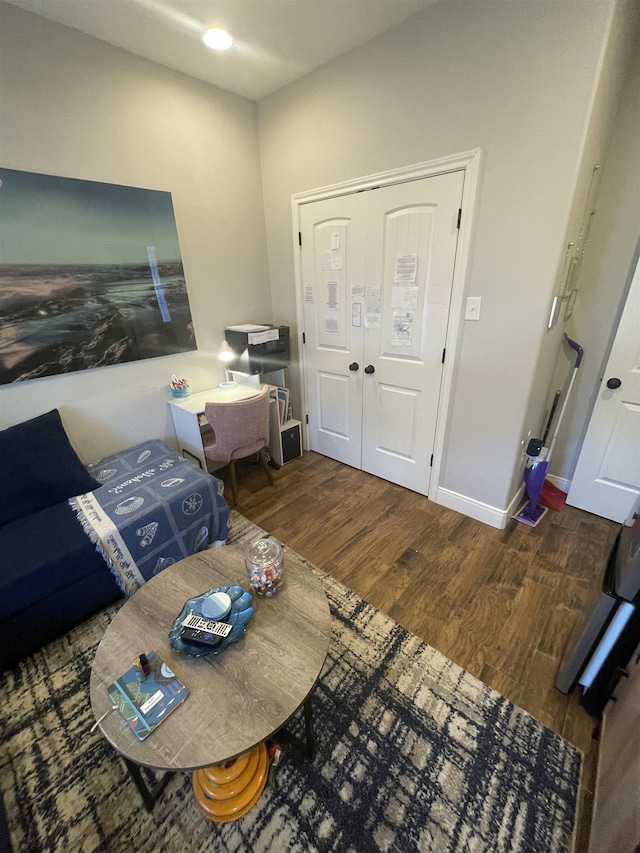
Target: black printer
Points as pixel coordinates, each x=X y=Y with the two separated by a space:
x=258 y=348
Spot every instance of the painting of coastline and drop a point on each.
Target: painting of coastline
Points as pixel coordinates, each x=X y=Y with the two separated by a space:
x=90 y=275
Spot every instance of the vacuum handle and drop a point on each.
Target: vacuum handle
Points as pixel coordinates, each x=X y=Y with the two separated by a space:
x=575 y=346
x=556 y=399
x=579 y=353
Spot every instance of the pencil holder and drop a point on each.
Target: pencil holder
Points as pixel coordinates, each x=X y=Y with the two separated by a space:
x=180 y=388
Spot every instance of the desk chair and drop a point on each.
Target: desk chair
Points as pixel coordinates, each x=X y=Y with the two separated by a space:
x=240 y=429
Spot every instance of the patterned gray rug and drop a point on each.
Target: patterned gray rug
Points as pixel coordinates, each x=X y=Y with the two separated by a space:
x=414 y=755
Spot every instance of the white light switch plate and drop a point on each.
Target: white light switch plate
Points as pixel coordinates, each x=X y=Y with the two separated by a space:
x=472 y=311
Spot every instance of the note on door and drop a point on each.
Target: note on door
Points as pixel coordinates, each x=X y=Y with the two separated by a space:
x=402 y=329
x=331 y=260
x=333 y=294
x=404 y=297
x=308 y=293
x=372 y=308
x=406 y=269
x=332 y=325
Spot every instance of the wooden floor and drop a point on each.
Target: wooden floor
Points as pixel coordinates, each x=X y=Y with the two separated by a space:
x=500 y=603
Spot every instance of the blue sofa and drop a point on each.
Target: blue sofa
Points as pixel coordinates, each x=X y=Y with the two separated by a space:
x=51 y=574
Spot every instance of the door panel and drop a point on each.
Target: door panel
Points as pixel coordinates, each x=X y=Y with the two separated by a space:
x=606 y=481
x=333 y=403
x=377 y=270
x=621 y=463
x=398 y=421
x=332 y=343
x=414 y=232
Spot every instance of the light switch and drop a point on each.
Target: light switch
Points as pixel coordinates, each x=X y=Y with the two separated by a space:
x=472 y=311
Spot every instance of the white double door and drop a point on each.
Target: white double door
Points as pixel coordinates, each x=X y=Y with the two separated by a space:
x=377 y=271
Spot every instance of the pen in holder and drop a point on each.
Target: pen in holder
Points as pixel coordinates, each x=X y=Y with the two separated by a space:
x=180 y=387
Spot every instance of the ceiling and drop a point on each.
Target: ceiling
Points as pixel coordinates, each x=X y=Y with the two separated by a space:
x=276 y=41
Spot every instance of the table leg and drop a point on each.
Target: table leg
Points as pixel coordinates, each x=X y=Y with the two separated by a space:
x=149 y=794
x=308 y=745
x=308 y=729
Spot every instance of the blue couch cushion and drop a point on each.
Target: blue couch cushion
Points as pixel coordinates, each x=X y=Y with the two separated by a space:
x=42 y=553
x=39 y=467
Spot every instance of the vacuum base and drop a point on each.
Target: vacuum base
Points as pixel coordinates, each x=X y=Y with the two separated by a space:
x=531 y=515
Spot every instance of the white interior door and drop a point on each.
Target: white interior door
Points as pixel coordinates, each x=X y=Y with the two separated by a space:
x=606 y=481
x=377 y=270
x=411 y=254
x=332 y=259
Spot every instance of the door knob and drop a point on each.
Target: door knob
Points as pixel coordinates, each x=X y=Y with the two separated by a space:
x=354 y=365
x=369 y=369
x=614 y=382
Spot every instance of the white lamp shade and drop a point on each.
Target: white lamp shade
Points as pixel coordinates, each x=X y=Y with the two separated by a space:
x=225 y=353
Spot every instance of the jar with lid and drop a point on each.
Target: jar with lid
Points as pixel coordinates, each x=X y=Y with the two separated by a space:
x=264 y=561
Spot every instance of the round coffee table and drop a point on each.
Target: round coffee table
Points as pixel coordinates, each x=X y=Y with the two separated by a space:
x=238 y=698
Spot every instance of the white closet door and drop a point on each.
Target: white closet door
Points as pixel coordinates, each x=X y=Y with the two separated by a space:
x=377 y=270
x=412 y=240
x=332 y=262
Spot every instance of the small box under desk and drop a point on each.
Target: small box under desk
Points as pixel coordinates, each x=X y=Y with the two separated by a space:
x=285 y=444
x=285 y=440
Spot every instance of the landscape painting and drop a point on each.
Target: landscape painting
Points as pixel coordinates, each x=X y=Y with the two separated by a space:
x=90 y=275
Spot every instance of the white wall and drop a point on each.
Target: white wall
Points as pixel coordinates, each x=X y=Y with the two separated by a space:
x=74 y=106
x=607 y=269
x=516 y=80
x=556 y=359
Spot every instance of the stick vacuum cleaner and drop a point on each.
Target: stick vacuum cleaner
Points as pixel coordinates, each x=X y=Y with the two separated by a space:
x=539 y=455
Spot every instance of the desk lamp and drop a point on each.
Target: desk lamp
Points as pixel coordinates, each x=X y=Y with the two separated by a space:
x=226 y=354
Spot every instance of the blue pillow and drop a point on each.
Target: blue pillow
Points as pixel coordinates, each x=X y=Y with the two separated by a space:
x=39 y=468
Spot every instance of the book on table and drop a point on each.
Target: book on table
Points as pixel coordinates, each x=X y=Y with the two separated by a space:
x=145 y=704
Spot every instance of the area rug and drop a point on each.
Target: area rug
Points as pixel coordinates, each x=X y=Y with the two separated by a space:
x=414 y=754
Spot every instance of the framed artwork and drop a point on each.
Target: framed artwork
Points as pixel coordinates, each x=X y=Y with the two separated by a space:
x=90 y=275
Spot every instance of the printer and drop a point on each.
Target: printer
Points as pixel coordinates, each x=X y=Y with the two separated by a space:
x=258 y=348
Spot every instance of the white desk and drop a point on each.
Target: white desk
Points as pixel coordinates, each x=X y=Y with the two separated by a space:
x=188 y=418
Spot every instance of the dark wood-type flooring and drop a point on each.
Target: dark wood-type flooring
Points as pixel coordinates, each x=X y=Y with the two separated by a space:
x=500 y=603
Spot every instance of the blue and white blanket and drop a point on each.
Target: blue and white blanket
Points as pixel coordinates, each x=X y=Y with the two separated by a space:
x=154 y=508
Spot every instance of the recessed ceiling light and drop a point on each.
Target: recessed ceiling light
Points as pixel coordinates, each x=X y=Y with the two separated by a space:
x=217 y=39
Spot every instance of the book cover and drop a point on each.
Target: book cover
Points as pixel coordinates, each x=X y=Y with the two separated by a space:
x=283 y=404
x=145 y=704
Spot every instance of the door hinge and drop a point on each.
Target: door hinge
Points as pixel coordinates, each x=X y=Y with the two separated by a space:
x=300 y=237
x=431 y=463
x=444 y=352
x=459 y=218
x=306 y=418
x=304 y=338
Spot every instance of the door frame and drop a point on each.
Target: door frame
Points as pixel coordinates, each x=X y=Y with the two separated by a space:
x=467 y=161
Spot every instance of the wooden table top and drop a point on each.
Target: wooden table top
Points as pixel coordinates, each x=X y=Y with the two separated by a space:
x=239 y=697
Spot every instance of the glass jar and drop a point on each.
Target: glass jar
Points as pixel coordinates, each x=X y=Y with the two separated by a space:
x=264 y=561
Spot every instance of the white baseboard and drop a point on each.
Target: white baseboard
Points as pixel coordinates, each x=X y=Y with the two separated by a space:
x=560 y=482
x=486 y=513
